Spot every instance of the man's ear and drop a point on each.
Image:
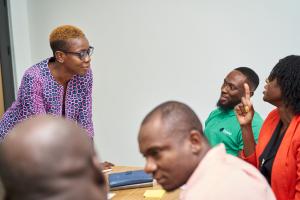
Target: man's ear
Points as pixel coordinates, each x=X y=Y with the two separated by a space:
x=59 y=56
x=196 y=140
x=96 y=162
x=251 y=88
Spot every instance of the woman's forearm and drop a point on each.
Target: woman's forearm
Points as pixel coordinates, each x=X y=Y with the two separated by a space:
x=248 y=138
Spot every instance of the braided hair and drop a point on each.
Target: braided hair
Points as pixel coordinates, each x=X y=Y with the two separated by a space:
x=287 y=74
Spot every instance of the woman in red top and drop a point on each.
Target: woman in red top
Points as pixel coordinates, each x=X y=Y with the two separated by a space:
x=277 y=152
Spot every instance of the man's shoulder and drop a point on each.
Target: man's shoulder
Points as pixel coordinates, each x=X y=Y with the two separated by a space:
x=228 y=169
x=218 y=112
x=212 y=115
x=215 y=112
x=236 y=170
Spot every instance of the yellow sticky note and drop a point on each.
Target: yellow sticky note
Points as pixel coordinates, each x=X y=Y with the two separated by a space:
x=154 y=193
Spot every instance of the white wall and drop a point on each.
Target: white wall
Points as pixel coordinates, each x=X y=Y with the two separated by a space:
x=19 y=30
x=147 y=52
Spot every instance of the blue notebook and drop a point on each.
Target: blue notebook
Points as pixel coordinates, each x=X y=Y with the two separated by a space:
x=129 y=178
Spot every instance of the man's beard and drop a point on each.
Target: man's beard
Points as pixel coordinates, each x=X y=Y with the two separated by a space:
x=228 y=106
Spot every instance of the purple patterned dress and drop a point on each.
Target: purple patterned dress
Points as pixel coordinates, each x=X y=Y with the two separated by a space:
x=39 y=93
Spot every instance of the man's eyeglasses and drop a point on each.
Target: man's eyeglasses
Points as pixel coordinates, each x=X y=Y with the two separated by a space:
x=82 y=54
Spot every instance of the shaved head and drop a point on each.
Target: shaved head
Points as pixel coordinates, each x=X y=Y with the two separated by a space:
x=172 y=142
x=49 y=157
x=175 y=115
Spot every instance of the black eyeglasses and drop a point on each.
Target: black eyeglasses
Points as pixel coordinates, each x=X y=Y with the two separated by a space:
x=82 y=54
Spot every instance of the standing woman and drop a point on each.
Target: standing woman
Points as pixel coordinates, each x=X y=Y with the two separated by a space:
x=60 y=85
x=277 y=153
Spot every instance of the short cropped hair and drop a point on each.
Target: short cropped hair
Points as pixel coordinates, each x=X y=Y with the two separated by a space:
x=176 y=114
x=287 y=74
x=251 y=76
x=61 y=34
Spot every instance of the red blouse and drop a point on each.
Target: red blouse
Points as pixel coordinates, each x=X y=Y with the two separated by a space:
x=285 y=177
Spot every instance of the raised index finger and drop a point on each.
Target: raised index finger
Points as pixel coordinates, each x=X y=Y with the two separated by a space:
x=247 y=91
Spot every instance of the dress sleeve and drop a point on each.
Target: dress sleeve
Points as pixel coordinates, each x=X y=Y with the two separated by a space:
x=250 y=159
x=297 y=189
x=256 y=126
x=85 y=112
x=29 y=102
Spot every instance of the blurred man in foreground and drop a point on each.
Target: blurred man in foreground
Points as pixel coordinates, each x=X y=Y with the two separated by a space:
x=46 y=157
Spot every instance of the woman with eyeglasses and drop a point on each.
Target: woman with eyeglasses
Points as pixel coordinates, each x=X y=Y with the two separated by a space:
x=277 y=152
x=60 y=85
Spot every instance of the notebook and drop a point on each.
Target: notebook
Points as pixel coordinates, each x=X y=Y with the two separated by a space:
x=138 y=185
x=136 y=178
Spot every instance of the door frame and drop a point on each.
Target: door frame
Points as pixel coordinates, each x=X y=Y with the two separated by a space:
x=6 y=57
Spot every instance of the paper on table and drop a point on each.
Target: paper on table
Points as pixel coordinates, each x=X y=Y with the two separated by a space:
x=106 y=170
x=110 y=195
x=154 y=193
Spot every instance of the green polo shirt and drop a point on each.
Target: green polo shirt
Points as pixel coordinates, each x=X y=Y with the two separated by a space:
x=223 y=127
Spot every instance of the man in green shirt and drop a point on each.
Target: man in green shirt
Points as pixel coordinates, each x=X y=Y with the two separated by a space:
x=222 y=126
